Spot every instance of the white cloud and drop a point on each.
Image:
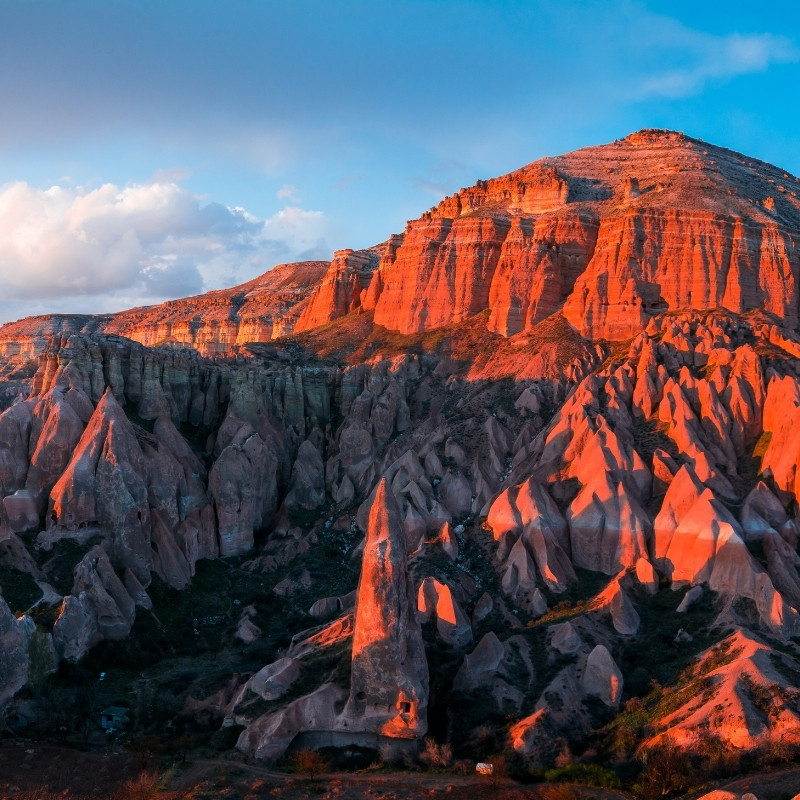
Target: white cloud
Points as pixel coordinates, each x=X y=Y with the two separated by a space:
x=288 y=192
x=713 y=58
x=67 y=247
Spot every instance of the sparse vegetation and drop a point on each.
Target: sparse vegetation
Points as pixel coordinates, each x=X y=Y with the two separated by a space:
x=309 y=762
x=587 y=774
x=19 y=589
x=436 y=756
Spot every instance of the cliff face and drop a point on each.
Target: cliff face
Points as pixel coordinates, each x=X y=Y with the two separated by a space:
x=539 y=263
x=611 y=234
x=652 y=260
x=341 y=290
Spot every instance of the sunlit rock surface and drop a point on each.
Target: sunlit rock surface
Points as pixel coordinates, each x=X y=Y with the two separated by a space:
x=497 y=460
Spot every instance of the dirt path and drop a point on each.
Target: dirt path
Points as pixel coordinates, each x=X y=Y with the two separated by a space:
x=57 y=771
x=785 y=782
x=255 y=781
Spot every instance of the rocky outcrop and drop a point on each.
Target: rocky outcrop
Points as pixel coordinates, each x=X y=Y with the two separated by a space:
x=144 y=494
x=99 y=608
x=526 y=522
x=341 y=290
x=15 y=637
x=105 y=484
x=243 y=485
x=608 y=528
x=270 y=735
x=435 y=601
x=57 y=424
x=389 y=677
x=307 y=484
x=602 y=677
x=615 y=600
x=742 y=696
x=495 y=668
x=270 y=683
x=560 y=708
x=20 y=511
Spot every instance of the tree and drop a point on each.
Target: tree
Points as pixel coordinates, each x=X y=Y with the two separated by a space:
x=310 y=762
x=665 y=769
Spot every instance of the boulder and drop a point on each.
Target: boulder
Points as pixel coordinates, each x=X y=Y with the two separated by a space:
x=602 y=677
x=624 y=617
x=564 y=639
x=274 y=680
x=247 y=631
x=271 y=734
x=689 y=599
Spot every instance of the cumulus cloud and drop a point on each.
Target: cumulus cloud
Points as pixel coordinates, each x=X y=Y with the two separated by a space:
x=142 y=243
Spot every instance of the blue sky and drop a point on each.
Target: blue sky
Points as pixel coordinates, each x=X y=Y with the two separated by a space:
x=158 y=149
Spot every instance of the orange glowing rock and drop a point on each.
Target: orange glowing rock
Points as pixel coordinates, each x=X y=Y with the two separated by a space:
x=610 y=235
x=389 y=674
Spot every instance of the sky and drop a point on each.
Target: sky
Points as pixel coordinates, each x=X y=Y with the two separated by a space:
x=154 y=150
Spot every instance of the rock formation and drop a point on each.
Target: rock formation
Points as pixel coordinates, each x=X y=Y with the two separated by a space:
x=389 y=683
x=563 y=404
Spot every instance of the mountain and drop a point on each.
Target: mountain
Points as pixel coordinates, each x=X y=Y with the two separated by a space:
x=534 y=460
x=609 y=236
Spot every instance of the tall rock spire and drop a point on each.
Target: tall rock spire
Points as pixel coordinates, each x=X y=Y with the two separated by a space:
x=389 y=684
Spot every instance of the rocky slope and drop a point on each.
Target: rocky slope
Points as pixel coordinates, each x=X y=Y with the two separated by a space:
x=438 y=531
x=215 y=322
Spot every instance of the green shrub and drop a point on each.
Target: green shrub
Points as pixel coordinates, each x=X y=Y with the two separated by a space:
x=586 y=774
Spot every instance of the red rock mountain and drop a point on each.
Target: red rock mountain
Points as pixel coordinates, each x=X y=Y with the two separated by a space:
x=609 y=235
x=534 y=461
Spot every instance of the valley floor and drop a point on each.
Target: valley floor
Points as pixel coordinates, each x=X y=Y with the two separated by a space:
x=45 y=771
